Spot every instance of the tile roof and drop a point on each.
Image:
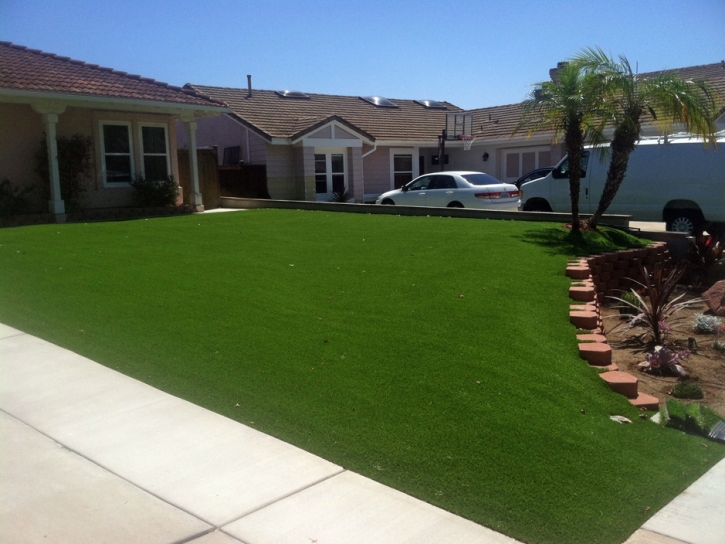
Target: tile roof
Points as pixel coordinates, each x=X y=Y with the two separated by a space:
x=23 y=69
x=500 y=121
x=279 y=117
x=275 y=116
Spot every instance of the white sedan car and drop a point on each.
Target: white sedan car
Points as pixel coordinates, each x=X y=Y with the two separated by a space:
x=455 y=190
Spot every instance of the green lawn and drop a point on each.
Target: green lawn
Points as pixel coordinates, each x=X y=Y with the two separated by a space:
x=347 y=335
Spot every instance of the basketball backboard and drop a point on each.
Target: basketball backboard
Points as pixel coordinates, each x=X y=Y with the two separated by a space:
x=458 y=124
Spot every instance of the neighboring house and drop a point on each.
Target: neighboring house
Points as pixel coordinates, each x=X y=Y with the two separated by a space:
x=314 y=144
x=131 y=120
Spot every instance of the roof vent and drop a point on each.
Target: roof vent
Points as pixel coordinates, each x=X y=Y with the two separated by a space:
x=291 y=94
x=379 y=101
x=431 y=104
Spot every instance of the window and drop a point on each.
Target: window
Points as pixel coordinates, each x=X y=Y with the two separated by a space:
x=320 y=174
x=329 y=174
x=402 y=170
x=562 y=171
x=154 y=151
x=231 y=155
x=116 y=148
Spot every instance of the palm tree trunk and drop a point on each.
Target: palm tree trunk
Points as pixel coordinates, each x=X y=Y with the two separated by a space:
x=575 y=146
x=622 y=146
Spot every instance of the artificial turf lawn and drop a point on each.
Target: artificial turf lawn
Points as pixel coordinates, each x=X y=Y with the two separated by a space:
x=347 y=335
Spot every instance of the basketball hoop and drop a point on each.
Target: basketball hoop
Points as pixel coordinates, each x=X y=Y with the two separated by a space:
x=467 y=140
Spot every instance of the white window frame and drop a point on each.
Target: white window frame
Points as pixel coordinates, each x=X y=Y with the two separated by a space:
x=102 y=138
x=328 y=152
x=143 y=152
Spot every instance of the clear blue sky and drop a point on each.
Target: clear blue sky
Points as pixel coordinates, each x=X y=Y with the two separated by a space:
x=473 y=53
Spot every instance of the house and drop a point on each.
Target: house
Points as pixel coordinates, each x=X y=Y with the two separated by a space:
x=316 y=144
x=131 y=122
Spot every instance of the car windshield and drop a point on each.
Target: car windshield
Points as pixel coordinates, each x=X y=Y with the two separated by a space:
x=480 y=179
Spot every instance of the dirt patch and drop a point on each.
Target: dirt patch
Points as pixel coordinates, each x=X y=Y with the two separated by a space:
x=705 y=365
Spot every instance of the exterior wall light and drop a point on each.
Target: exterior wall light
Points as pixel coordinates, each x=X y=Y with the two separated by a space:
x=485 y=156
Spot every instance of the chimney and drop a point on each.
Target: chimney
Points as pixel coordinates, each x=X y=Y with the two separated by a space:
x=249 y=86
x=554 y=72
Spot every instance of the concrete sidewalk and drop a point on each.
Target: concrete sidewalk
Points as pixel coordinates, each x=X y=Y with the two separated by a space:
x=90 y=455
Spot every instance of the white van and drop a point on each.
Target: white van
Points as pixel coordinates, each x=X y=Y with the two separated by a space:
x=675 y=179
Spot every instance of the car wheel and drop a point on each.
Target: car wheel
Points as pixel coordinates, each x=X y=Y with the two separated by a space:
x=684 y=221
x=455 y=205
x=388 y=202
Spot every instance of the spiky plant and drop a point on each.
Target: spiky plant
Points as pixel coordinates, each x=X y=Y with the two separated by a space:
x=655 y=306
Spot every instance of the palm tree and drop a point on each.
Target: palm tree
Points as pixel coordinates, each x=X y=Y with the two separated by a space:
x=627 y=100
x=567 y=106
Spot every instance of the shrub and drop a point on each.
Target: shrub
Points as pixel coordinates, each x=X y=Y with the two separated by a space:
x=13 y=200
x=687 y=390
x=631 y=306
x=341 y=196
x=704 y=254
x=151 y=194
x=719 y=346
x=707 y=324
x=656 y=309
x=75 y=168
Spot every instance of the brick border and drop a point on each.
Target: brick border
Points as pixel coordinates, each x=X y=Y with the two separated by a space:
x=593 y=279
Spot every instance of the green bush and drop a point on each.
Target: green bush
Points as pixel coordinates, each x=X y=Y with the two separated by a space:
x=633 y=306
x=687 y=390
x=675 y=414
x=152 y=194
x=13 y=200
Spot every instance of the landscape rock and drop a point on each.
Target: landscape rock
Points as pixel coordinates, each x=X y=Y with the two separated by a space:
x=715 y=298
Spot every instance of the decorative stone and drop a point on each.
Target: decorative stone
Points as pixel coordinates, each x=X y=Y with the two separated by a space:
x=596 y=353
x=583 y=320
x=592 y=338
x=715 y=298
x=621 y=382
x=583 y=294
x=577 y=272
x=646 y=402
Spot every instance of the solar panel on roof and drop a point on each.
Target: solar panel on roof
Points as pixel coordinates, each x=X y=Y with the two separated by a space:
x=292 y=94
x=431 y=104
x=379 y=101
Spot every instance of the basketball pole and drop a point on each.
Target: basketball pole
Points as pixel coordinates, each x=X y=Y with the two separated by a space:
x=442 y=149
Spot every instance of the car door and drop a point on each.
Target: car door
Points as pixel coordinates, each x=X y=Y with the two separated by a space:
x=441 y=190
x=414 y=194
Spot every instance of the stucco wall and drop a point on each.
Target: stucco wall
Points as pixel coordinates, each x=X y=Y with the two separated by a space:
x=22 y=130
x=376 y=170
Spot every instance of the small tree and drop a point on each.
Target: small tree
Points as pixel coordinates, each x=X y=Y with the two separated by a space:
x=627 y=99
x=569 y=106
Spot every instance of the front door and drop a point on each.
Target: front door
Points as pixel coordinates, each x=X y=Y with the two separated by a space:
x=330 y=173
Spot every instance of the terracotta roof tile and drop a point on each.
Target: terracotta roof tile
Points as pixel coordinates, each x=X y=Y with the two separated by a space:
x=276 y=116
x=25 y=69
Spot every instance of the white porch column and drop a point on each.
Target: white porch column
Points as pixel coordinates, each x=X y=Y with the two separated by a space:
x=56 y=204
x=195 y=198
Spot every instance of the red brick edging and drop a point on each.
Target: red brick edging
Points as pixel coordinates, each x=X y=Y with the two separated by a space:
x=595 y=278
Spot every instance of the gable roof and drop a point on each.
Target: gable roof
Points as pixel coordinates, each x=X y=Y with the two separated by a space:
x=275 y=116
x=24 y=70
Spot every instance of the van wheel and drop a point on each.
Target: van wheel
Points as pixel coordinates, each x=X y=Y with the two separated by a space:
x=455 y=205
x=537 y=205
x=684 y=221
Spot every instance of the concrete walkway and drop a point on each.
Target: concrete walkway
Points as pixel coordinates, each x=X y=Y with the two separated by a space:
x=90 y=455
